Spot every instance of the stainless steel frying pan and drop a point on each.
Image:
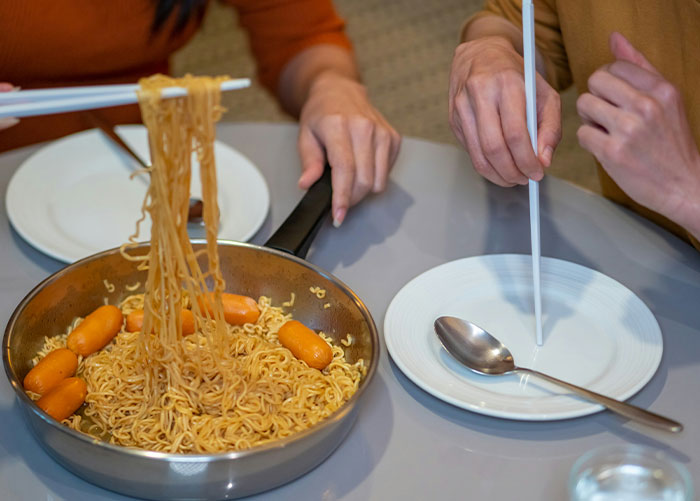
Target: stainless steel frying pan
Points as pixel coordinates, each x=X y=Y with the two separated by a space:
x=273 y=271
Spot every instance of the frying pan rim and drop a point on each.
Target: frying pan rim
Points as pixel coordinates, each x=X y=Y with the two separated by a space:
x=336 y=416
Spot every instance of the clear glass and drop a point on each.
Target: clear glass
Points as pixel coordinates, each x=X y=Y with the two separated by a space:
x=628 y=473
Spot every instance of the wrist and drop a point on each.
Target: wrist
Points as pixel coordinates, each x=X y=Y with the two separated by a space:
x=490 y=25
x=332 y=86
x=484 y=26
x=308 y=68
x=331 y=77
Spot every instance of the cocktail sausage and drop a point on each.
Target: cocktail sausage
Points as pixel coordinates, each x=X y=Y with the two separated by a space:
x=134 y=321
x=51 y=370
x=305 y=344
x=64 y=399
x=238 y=310
x=96 y=330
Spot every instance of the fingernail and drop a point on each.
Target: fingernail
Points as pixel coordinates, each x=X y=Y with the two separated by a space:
x=547 y=156
x=8 y=122
x=338 y=217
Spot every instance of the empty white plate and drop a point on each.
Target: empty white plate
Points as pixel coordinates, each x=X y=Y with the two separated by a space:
x=74 y=198
x=597 y=334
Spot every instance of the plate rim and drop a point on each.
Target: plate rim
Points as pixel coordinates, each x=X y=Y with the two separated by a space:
x=587 y=408
x=65 y=256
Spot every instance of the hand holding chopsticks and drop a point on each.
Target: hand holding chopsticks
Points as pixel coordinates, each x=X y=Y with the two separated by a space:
x=27 y=103
x=487 y=105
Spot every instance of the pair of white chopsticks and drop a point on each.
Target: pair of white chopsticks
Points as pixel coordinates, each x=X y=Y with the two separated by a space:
x=26 y=103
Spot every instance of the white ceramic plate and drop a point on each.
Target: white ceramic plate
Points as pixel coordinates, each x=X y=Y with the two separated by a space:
x=74 y=198
x=597 y=334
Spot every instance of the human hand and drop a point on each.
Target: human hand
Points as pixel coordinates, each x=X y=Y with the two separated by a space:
x=9 y=121
x=338 y=121
x=635 y=124
x=488 y=117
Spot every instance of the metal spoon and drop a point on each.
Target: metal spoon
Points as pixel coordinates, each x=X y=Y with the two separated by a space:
x=195 y=211
x=484 y=354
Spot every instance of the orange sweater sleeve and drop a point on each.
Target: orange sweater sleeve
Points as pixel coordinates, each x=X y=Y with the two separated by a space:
x=280 y=29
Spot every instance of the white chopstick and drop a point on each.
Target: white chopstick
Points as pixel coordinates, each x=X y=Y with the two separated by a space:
x=27 y=103
x=534 y=188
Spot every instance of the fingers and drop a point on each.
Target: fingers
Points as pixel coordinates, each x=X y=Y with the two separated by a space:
x=606 y=85
x=386 y=146
x=548 y=122
x=594 y=110
x=634 y=75
x=362 y=137
x=634 y=89
x=7 y=121
x=594 y=141
x=515 y=131
x=339 y=149
x=394 y=149
x=493 y=144
x=361 y=153
x=312 y=158
x=623 y=50
x=490 y=122
x=634 y=69
x=359 y=144
x=465 y=126
x=375 y=147
x=384 y=156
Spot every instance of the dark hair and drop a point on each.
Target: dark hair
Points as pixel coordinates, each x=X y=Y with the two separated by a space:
x=186 y=9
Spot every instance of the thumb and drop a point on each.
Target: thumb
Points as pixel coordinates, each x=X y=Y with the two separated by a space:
x=623 y=50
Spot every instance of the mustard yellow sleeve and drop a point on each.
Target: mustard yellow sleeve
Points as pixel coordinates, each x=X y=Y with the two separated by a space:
x=548 y=37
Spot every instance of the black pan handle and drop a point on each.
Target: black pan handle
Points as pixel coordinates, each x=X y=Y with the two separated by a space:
x=297 y=232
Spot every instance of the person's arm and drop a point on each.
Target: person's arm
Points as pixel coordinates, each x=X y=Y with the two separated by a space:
x=306 y=60
x=634 y=123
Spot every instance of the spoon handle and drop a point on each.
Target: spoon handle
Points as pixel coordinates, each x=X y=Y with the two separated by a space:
x=623 y=408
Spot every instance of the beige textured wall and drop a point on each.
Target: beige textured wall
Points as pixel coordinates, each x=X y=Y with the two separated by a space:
x=404 y=49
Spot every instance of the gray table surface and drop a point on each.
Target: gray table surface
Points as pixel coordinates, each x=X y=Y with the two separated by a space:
x=407 y=444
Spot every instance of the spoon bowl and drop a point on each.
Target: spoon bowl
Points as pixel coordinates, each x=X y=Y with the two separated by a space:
x=474 y=347
x=482 y=353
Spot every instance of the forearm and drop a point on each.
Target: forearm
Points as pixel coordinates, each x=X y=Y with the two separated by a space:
x=306 y=68
x=488 y=26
